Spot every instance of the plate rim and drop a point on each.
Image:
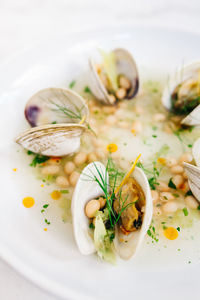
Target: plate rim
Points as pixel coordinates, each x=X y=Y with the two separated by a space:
x=6 y=254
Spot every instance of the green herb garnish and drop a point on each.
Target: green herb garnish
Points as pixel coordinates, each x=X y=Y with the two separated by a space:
x=152 y=233
x=87 y=89
x=171 y=184
x=47 y=222
x=185 y=211
x=91 y=226
x=189 y=193
x=72 y=84
x=64 y=191
x=38 y=159
x=178 y=228
x=45 y=205
x=154 y=136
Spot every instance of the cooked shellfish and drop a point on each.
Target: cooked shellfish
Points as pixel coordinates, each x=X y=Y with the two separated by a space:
x=139 y=212
x=55 y=106
x=122 y=68
x=182 y=94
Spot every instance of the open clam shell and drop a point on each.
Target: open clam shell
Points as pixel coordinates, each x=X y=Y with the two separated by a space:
x=128 y=246
x=52 y=140
x=185 y=76
x=55 y=105
x=125 y=64
x=193 y=173
x=86 y=190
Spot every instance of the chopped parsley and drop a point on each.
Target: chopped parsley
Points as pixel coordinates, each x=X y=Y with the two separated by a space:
x=42 y=210
x=87 y=89
x=152 y=233
x=54 y=122
x=189 y=193
x=72 y=84
x=176 y=195
x=171 y=184
x=178 y=228
x=154 y=136
x=30 y=152
x=185 y=211
x=91 y=226
x=198 y=207
x=45 y=205
x=47 y=222
x=38 y=159
x=190 y=146
x=64 y=191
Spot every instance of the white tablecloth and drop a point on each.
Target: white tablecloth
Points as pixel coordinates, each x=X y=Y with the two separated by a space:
x=26 y=22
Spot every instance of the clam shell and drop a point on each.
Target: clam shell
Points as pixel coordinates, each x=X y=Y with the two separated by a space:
x=125 y=65
x=196 y=152
x=55 y=105
x=128 y=246
x=87 y=190
x=52 y=140
x=193 y=173
x=183 y=74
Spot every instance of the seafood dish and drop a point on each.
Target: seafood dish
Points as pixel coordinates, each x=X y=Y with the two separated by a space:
x=122 y=154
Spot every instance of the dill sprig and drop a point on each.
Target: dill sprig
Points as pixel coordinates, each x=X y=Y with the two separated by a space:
x=109 y=191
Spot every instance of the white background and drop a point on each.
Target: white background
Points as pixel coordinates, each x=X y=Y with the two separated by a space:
x=24 y=23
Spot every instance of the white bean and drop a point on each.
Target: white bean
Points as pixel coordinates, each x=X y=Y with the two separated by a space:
x=154 y=195
x=102 y=202
x=91 y=208
x=69 y=167
x=159 y=117
x=100 y=153
x=139 y=110
x=124 y=82
x=171 y=162
x=191 y=202
x=123 y=124
x=112 y=98
x=111 y=120
x=92 y=157
x=178 y=180
x=109 y=109
x=157 y=211
x=121 y=93
x=62 y=181
x=186 y=157
x=170 y=207
x=177 y=169
x=166 y=196
x=137 y=126
x=80 y=158
x=50 y=170
x=73 y=178
x=162 y=186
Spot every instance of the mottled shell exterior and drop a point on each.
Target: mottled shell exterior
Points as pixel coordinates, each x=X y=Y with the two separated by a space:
x=52 y=140
x=55 y=105
x=125 y=64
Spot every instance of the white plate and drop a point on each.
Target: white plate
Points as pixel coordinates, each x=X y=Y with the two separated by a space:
x=51 y=259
